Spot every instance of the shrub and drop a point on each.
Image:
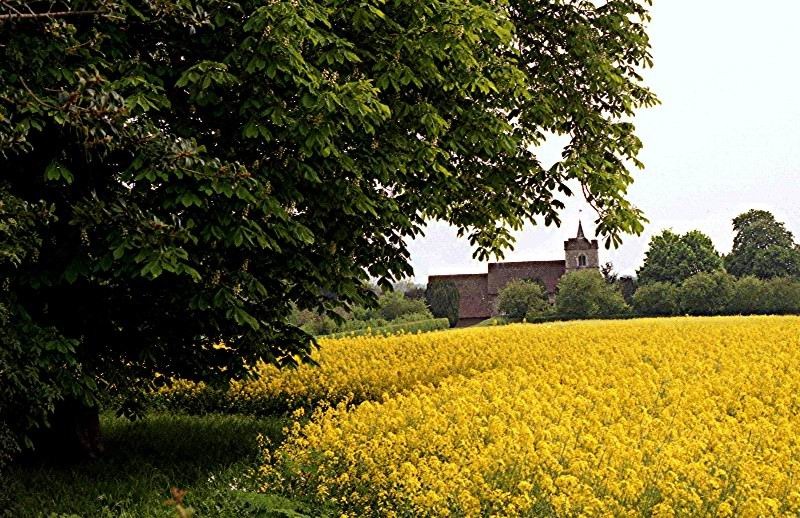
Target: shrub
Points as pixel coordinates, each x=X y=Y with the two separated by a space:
x=585 y=293
x=750 y=296
x=656 y=299
x=783 y=296
x=706 y=293
x=520 y=298
x=394 y=304
x=312 y=322
x=431 y=324
x=443 y=299
x=413 y=317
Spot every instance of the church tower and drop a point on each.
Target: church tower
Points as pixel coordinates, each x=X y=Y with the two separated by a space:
x=581 y=253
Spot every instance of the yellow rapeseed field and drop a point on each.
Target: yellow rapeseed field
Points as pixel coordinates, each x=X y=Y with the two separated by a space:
x=661 y=417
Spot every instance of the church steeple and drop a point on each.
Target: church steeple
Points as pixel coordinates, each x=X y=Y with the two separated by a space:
x=580 y=252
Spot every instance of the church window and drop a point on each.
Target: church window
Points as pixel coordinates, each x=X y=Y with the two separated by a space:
x=581 y=260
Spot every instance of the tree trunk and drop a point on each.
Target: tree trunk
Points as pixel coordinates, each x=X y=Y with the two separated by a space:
x=74 y=433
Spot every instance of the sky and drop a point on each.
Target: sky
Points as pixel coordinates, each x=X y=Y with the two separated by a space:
x=725 y=139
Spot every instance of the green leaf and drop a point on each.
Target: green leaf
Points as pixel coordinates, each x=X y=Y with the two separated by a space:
x=56 y=171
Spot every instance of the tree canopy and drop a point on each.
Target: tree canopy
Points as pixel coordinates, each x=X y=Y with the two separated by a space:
x=443 y=299
x=585 y=293
x=522 y=298
x=674 y=258
x=190 y=169
x=762 y=247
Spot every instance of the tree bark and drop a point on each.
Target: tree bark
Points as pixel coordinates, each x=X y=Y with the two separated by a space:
x=73 y=435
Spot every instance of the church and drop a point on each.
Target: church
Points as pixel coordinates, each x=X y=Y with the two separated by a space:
x=478 y=291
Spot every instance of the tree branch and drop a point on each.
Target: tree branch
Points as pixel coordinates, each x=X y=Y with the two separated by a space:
x=57 y=14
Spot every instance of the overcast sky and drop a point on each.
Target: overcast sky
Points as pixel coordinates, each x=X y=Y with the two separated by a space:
x=725 y=139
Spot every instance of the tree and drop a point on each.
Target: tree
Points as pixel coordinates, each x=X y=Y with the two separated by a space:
x=750 y=296
x=443 y=299
x=208 y=164
x=656 y=299
x=762 y=247
x=585 y=293
x=520 y=298
x=673 y=258
x=628 y=285
x=608 y=273
x=706 y=293
x=784 y=296
x=394 y=304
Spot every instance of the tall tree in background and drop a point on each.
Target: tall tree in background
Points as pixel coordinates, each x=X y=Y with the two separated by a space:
x=674 y=258
x=193 y=168
x=443 y=299
x=762 y=247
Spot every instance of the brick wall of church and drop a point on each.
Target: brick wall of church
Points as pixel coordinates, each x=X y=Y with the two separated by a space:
x=474 y=300
x=549 y=272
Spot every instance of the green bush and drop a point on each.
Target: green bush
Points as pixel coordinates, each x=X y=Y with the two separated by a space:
x=413 y=317
x=394 y=304
x=520 y=299
x=750 y=296
x=706 y=293
x=656 y=299
x=784 y=296
x=443 y=299
x=493 y=321
x=432 y=324
x=586 y=294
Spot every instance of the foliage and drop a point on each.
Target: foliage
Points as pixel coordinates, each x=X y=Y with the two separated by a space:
x=784 y=296
x=37 y=364
x=628 y=285
x=409 y=326
x=560 y=425
x=657 y=299
x=762 y=247
x=673 y=258
x=443 y=299
x=608 y=273
x=585 y=293
x=209 y=456
x=415 y=293
x=208 y=164
x=392 y=307
x=706 y=293
x=751 y=296
x=493 y=321
x=312 y=322
x=394 y=304
x=520 y=298
x=411 y=290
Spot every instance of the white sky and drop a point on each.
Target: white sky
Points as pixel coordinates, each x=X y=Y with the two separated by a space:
x=725 y=139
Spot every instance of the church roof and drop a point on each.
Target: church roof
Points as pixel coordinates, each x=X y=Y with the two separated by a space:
x=580 y=231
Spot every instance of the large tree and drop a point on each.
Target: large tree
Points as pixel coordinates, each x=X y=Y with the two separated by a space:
x=674 y=258
x=762 y=247
x=194 y=168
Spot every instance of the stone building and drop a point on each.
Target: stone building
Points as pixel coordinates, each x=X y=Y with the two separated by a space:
x=479 y=291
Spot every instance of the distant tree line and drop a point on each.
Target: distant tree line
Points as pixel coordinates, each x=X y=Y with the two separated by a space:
x=404 y=303
x=681 y=274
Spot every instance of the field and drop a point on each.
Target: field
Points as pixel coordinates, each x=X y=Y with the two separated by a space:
x=645 y=417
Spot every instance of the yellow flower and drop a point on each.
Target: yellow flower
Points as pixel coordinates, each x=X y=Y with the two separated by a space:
x=661 y=417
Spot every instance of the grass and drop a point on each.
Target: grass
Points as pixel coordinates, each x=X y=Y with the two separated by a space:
x=430 y=324
x=210 y=456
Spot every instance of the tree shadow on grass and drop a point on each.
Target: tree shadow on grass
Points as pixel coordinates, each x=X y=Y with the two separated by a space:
x=210 y=456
